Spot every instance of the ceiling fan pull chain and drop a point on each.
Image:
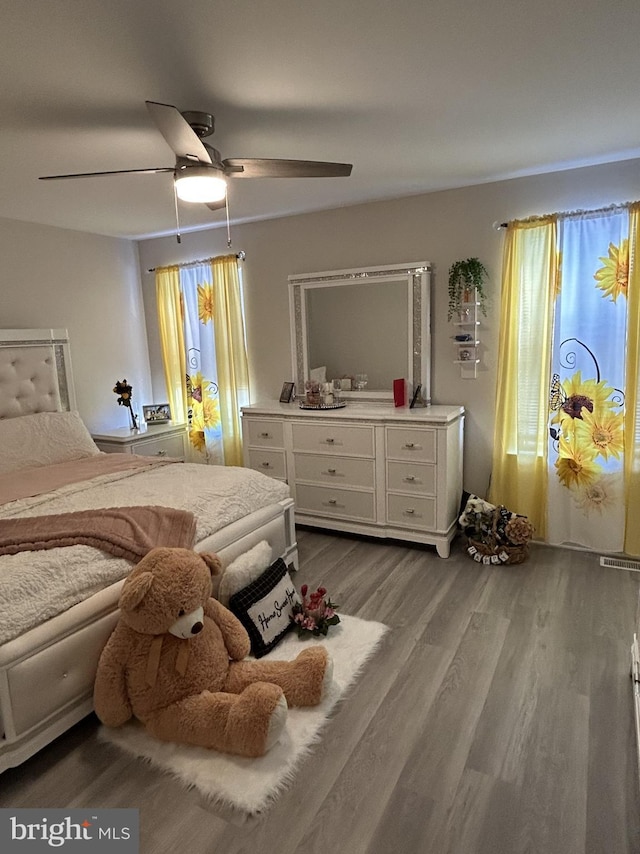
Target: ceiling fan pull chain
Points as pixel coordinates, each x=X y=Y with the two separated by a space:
x=175 y=203
x=226 y=207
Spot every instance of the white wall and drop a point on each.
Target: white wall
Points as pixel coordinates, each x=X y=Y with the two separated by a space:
x=53 y=277
x=438 y=227
x=92 y=285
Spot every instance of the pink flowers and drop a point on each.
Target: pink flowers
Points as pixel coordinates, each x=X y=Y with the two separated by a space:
x=314 y=614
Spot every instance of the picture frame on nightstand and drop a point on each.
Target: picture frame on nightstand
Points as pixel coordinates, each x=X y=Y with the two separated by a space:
x=157 y=413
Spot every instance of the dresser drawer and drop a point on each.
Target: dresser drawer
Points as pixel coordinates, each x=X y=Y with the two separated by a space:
x=411 y=511
x=333 y=439
x=325 y=501
x=163 y=446
x=264 y=433
x=338 y=471
x=268 y=462
x=409 y=443
x=416 y=478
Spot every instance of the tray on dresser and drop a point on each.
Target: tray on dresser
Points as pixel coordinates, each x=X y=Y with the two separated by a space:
x=340 y=405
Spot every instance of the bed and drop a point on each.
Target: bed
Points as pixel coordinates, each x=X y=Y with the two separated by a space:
x=59 y=605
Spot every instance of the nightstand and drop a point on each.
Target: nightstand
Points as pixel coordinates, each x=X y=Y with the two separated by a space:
x=161 y=440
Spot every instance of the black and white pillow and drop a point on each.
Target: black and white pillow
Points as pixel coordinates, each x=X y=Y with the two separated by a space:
x=264 y=607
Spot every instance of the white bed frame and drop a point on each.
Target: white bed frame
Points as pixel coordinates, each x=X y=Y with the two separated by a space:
x=47 y=674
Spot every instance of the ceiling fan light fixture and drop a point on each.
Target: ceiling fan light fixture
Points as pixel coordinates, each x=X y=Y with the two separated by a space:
x=200 y=184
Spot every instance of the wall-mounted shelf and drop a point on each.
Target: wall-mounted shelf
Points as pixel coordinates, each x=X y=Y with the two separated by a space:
x=467 y=352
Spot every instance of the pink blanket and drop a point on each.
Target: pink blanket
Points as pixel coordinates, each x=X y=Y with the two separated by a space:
x=128 y=532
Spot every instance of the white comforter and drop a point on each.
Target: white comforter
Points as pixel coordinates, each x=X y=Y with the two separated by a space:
x=35 y=586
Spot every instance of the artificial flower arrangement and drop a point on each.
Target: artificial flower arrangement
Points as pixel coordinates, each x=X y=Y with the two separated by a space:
x=495 y=534
x=315 y=614
x=125 y=392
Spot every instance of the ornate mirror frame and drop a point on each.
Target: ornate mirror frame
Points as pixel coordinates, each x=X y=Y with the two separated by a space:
x=418 y=360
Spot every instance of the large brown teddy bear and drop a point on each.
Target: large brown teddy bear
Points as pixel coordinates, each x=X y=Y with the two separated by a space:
x=175 y=662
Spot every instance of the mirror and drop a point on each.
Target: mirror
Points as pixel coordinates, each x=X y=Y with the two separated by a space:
x=372 y=320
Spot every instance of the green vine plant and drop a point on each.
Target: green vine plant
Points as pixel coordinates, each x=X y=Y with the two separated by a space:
x=466 y=276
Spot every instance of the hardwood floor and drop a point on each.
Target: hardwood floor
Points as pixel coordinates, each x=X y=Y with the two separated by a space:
x=495 y=719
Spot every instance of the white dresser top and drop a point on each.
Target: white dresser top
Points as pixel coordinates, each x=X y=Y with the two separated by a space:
x=365 y=411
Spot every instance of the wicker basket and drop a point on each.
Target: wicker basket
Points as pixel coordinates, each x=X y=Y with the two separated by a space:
x=492 y=550
x=489 y=552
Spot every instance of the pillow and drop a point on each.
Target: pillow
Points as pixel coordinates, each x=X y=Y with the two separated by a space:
x=243 y=570
x=43 y=439
x=264 y=607
x=318 y=375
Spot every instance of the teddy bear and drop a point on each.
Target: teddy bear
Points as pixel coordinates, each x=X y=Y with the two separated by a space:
x=176 y=661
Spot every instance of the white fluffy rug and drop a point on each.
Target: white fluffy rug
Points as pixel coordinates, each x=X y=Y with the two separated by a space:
x=250 y=786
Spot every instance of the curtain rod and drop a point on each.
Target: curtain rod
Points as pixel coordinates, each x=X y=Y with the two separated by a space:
x=567 y=214
x=241 y=255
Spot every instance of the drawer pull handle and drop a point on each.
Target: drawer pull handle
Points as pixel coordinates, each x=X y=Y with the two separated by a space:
x=264 y=435
x=265 y=465
x=409 y=445
x=409 y=511
x=332 y=501
x=409 y=478
x=329 y=441
x=161 y=453
x=331 y=471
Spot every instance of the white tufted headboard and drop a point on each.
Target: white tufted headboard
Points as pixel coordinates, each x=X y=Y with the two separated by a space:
x=35 y=372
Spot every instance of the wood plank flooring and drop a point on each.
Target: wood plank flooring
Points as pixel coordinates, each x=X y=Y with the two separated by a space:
x=496 y=718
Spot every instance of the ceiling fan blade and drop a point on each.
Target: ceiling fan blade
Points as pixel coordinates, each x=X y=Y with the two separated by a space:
x=113 y=172
x=177 y=132
x=216 y=206
x=247 y=167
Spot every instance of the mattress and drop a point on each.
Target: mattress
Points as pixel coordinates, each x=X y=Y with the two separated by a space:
x=36 y=586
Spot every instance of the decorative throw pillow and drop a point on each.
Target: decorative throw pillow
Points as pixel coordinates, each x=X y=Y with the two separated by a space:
x=264 y=607
x=243 y=570
x=42 y=439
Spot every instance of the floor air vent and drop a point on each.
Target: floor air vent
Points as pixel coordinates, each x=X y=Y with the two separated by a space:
x=616 y=563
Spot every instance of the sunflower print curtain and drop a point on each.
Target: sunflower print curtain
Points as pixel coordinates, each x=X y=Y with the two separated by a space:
x=203 y=404
x=587 y=393
x=576 y=470
x=205 y=339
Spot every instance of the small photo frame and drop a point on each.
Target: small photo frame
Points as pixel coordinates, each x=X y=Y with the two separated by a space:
x=156 y=413
x=286 y=395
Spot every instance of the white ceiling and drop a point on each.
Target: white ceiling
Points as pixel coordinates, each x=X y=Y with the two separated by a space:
x=419 y=95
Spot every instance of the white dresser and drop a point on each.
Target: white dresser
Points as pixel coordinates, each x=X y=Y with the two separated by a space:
x=161 y=440
x=368 y=469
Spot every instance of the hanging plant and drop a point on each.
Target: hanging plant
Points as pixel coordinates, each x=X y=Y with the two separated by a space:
x=466 y=276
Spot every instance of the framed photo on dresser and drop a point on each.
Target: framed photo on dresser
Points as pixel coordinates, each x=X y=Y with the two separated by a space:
x=287 y=393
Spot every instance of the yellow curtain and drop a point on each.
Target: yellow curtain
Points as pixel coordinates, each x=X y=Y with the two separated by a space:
x=529 y=279
x=170 y=322
x=632 y=395
x=231 y=354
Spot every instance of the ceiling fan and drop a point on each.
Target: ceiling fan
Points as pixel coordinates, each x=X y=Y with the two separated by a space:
x=199 y=172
